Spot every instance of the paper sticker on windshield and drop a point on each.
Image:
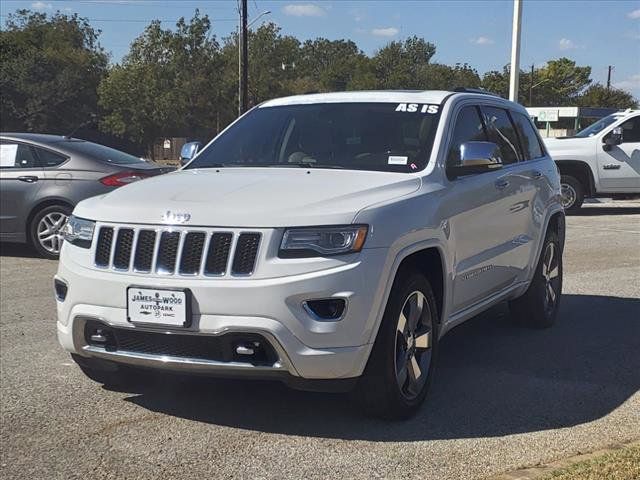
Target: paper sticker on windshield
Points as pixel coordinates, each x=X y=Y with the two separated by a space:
x=397 y=160
x=417 y=107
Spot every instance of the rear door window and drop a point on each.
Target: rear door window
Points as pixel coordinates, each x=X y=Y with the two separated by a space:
x=528 y=137
x=503 y=133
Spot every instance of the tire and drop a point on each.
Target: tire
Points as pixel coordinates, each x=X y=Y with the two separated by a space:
x=538 y=307
x=105 y=373
x=572 y=193
x=45 y=230
x=402 y=362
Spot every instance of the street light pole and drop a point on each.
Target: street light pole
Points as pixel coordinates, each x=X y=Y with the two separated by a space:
x=515 y=51
x=244 y=64
x=243 y=57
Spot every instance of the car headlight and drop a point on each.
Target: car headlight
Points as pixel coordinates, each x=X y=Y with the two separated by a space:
x=322 y=241
x=79 y=231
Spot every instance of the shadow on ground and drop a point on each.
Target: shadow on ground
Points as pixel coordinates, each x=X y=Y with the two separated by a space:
x=19 y=250
x=493 y=379
x=588 y=211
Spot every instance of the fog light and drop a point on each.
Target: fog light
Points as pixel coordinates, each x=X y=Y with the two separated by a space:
x=327 y=309
x=61 y=289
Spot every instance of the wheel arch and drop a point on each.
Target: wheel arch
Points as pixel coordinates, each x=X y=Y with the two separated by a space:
x=48 y=202
x=581 y=171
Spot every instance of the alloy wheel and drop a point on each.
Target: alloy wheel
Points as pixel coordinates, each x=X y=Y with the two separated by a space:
x=414 y=340
x=49 y=231
x=551 y=277
x=568 y=195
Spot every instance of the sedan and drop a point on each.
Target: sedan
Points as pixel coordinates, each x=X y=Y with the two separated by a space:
x=42 y=177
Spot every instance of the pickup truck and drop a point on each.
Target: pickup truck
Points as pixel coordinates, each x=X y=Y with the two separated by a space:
x=603 y=160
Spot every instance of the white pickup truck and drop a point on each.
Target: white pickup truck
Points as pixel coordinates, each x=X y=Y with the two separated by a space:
x=603 y=160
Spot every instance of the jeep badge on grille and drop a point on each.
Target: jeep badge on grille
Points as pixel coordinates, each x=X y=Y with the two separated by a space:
x=175 y=217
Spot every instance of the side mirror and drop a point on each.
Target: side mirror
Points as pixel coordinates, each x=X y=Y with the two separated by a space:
x=476 y=157
x=612 y=139
x=189 y=151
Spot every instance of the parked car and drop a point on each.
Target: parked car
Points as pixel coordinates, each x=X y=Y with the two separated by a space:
x=603 y=160
x=42 y=177
x=328 y=241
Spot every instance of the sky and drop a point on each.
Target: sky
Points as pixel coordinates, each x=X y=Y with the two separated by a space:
x=598 y=33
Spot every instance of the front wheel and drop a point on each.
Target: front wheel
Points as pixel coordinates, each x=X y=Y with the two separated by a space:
x=402 y=362
x=538 y=307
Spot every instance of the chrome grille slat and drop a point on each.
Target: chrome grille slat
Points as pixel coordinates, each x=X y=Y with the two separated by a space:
x=176 y=251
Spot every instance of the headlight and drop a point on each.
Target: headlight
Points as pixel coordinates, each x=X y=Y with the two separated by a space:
x=321 y=241
x=79 y=231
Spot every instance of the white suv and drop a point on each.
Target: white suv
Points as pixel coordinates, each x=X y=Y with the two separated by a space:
x=603 y=160
x=328 y=241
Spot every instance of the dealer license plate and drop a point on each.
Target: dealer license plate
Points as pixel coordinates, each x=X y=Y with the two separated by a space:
x=157 y=306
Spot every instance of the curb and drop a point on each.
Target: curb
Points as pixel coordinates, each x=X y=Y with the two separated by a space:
x=534 y=473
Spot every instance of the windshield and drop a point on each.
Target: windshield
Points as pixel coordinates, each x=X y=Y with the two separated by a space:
x=102 y=153
x=363 y=136
x=597 y=127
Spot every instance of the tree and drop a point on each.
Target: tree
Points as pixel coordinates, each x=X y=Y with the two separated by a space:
x=399 y=65
x=334 y=65
x=168 y=85
x=50 y=71
x=597 y=95
x=437 y=76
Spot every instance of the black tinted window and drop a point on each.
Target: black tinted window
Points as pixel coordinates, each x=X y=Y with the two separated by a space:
x=528 y=137
x=468 y=128
x=631 y=130
x=502 y=132
x=16 y=155
x=50 y=159
x=361 y=136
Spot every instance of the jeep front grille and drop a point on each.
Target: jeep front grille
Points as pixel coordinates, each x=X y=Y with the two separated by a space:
x=170 y=251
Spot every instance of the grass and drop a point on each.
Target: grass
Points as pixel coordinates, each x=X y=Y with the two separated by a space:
x=623 y=464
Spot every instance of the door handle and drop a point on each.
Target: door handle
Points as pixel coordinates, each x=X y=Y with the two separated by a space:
x=536 y=174
x=501 y=184
x=28 y=178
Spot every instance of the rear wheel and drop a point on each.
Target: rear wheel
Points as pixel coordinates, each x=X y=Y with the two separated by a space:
x=572 y=193
x=46 y=230
x=402 y=362
x=538 y=307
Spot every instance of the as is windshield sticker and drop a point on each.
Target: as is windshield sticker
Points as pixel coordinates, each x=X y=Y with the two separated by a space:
x=416 y=107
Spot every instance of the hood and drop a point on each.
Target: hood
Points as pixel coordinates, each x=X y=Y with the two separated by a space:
x=570 y=148
x=250 y=197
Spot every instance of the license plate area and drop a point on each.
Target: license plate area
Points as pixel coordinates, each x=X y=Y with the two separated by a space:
x=158 y=306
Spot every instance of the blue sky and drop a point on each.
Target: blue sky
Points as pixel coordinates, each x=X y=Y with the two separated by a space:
x=596 y=33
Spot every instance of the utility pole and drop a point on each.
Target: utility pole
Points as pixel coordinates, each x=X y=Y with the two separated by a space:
x=244 y=60
x=531 y=88
x=515 y=51
x=609 y=77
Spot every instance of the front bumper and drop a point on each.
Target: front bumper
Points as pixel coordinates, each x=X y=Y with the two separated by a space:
x=270 y=307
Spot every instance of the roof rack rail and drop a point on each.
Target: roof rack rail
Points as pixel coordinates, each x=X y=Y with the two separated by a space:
x=474 y=90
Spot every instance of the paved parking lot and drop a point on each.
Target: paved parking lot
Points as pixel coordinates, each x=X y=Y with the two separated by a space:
x=504 y=397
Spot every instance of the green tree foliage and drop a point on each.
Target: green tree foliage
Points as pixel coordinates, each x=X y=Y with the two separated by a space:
x=597 y=95
x=49 y=73
x=168 y=84
x=400 y=65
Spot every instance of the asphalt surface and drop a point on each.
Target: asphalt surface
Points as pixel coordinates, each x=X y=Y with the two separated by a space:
x=504 y=397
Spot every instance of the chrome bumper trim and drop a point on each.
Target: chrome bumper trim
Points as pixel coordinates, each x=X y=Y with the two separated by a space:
x=179 y=363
